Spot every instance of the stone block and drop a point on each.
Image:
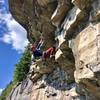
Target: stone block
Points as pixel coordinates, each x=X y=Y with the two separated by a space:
x=58 y=54
x=81 y=4
x=86 y=51
x=60 y=12
x=85 y=43
x=66 y=62
x=74 y=17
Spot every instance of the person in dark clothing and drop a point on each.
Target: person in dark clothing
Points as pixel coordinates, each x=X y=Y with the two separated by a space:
x=36 y=52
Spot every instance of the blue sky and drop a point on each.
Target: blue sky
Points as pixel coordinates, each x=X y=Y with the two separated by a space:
x=12 y=43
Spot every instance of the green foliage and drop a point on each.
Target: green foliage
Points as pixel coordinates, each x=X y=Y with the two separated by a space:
x=22 y=68
x=7 y=90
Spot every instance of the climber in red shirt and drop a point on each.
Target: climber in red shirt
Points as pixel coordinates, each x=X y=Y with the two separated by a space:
x=46 y=54
x=49 y=53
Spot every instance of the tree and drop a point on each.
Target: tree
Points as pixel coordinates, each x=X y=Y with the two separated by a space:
x=20 y=73
x=22 y=68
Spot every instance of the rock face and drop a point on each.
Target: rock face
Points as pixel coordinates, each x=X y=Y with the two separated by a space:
x=37 y=15
x=21 y=91
x=54 y=86
x=74 y=27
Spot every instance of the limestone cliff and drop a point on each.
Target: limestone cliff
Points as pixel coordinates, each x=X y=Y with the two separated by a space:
x=73 y=25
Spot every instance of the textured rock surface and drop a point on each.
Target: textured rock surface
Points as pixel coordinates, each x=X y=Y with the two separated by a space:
x=74 y=73
x=37 y=18
x=49 y=87
x=87 y=58
x=21 y=91
x=60 y=12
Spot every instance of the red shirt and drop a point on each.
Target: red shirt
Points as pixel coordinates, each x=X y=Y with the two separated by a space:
x=49 y=52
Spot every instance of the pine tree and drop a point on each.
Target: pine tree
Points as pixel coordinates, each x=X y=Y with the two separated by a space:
x=22 y=68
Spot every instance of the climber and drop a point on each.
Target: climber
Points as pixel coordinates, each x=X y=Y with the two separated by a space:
x=38 y=53
x=35 y=52
x=49 y=53
x=35 y=48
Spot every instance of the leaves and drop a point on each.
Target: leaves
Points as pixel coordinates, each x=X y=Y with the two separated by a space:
x=20 y=73
x=7 y=90
x=22 y=68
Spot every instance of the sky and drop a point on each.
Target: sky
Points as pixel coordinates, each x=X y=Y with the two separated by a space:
x=12 y=44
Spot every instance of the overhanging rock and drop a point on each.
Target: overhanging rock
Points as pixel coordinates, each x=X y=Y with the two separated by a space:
x=60 y=12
